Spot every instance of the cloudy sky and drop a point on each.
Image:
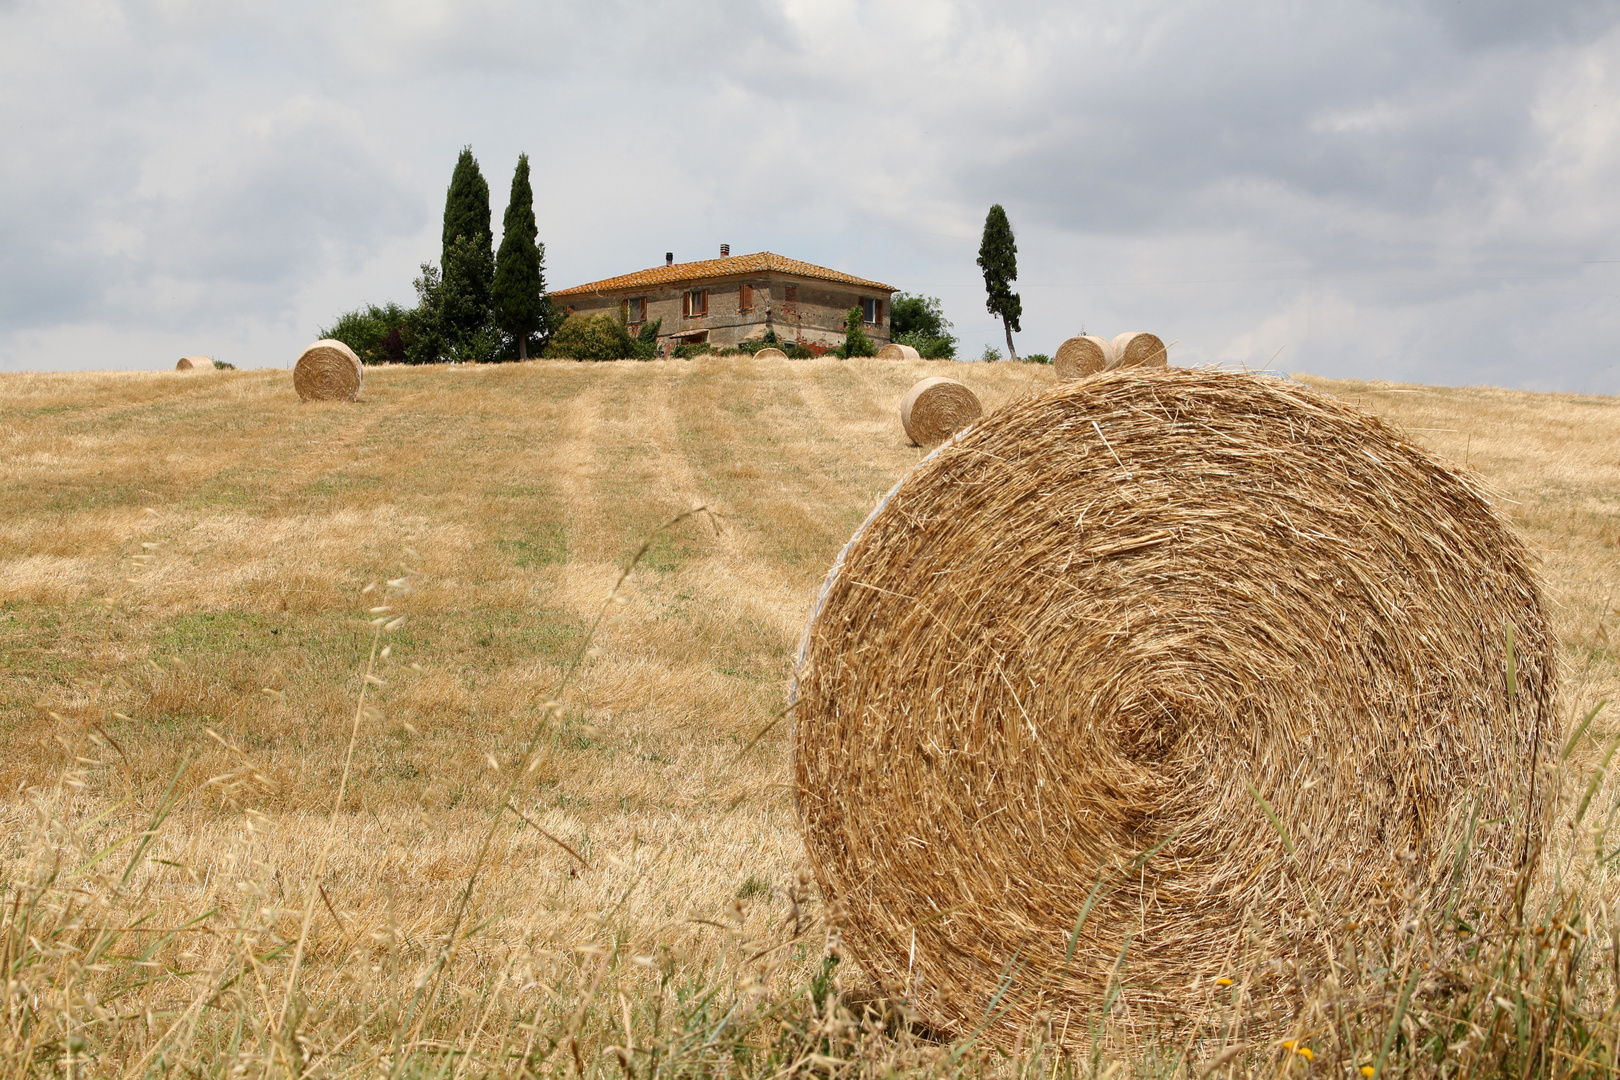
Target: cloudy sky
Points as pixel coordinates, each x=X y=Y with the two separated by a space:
x=1413 y=189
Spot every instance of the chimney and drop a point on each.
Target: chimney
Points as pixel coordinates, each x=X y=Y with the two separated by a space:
x=669 y=258
x=725 y=251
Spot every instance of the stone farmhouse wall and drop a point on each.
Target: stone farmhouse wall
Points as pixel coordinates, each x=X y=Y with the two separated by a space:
x=807 y=310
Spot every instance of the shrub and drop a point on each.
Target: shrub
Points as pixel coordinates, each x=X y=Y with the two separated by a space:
x=645 y=346
x=856 y=343
x=1036 y=358
x=376 y=334
x=691 y=349
x=591 y=337
x=990 y=355
x=928 y=347
x=220 y=365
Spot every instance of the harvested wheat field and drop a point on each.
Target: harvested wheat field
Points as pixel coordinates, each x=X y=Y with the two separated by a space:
x=193 y=575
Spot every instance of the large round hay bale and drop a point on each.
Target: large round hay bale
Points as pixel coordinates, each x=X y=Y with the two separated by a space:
x=1138 y=350
x=328 y=371
x=195 y=363
x=1080 y=356
x=895 y=351
x=936 y=408
x=770 y=352
x=1049 y=682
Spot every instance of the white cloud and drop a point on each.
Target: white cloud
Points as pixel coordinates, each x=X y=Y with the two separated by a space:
x=1383 y=188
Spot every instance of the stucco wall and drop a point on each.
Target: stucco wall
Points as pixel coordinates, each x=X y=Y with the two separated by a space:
x=816 y=318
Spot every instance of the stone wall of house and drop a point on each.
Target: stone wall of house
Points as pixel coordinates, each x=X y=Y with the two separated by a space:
x=806 y=310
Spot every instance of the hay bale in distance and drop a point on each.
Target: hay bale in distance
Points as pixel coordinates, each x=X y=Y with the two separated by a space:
x=770 y=352
x=936 y=408
x=328 y=371
x=1051 y=664
x=1080 y=356
x=895 y=351
x=1138 y=350
x=195 y=363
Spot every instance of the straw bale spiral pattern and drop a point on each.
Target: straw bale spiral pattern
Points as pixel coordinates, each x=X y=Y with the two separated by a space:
x=1083 y=355
x=1138 y=350
x=328 y=371
x=1051 y=664
x=936 y=408
x=895 y=351
x=770 y=352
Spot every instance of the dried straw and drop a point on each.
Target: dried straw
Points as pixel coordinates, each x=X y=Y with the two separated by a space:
x=1081 y=356
x=895 y=351
x=195 y=363
x=936 y=408
x=770 y=352
x=1139 y=350
x=328 y=371
x=1050 y=680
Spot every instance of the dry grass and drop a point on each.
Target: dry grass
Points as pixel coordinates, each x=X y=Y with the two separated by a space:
x=503 y=501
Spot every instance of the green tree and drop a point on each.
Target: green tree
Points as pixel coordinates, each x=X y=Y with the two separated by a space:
x=998 y=258
x=378 y=335
x=591 y=337
x=469 y=269
x=856 y=343
x=910 y=314
x=466 y=205
x=518 y=294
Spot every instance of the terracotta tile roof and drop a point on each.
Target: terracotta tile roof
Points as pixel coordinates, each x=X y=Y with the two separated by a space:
x=756 y=263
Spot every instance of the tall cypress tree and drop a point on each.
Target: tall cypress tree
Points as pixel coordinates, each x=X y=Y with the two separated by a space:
x=998 y=258
x=518 y=295
x=466 y=206
x=468 y=260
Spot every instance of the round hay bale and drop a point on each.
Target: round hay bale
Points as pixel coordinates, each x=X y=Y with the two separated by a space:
x=195 y=363
x=895 y=351
x=936 y=408
x=1081 y=356
x=1049 y=682
x=328 y=371
x=1138 y=350
x=770 y=352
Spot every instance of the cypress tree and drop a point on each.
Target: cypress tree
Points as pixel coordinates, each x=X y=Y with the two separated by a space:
x=467 y=262
x=998 y=258
x=466 y=205
x=518 y=295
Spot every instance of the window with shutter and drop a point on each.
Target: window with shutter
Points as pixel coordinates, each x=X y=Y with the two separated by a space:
x=745 y=298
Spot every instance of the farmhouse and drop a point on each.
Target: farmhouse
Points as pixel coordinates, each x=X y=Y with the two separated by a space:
x=733 y=298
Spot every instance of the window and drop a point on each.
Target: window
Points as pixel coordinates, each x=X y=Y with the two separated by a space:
x=790 y=300
x=635 y=309
x=696 y=303
x=745 y=298
x=871 y=311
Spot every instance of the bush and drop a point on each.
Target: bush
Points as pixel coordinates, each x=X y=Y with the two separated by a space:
x=990 y=355
x=691 y=349
x=220 y=365
x=856 y=343
x=591 y=337
x=645 y=346
x=1036 y=358
x=928 y=347
x=376 y=334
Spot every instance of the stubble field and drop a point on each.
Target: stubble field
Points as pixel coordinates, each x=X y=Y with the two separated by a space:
x=190 y=567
